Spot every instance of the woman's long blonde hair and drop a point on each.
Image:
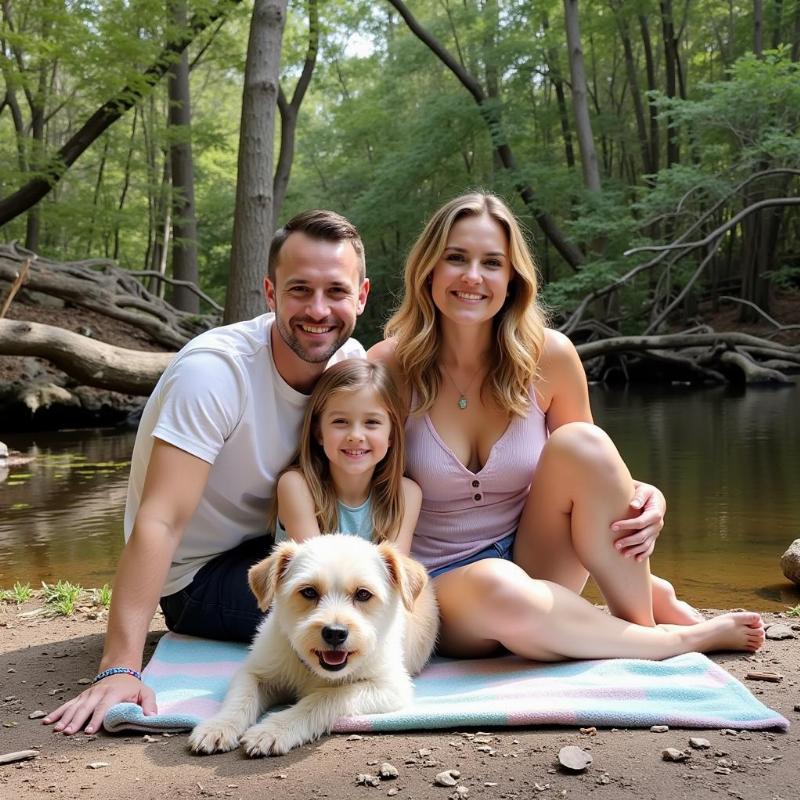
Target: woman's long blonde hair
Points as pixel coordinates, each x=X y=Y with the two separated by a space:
x=352 y=375
x=519 y=325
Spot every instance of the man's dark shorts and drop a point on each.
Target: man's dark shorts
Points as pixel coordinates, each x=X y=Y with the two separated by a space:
x=218 y=603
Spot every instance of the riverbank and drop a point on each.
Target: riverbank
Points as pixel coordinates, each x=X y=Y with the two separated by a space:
x=46 y=659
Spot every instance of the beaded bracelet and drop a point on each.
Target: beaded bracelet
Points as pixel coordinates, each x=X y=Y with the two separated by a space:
x=107 y=673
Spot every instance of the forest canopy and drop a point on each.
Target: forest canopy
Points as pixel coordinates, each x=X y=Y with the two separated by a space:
x=660 y=123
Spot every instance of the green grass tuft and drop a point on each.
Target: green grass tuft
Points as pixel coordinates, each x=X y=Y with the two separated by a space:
x=18 y=593
x=794 y=611
x=102 y=596
x=61 y=596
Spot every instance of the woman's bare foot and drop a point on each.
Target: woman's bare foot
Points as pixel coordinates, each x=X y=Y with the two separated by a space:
x=738 y=630
x=668 y=609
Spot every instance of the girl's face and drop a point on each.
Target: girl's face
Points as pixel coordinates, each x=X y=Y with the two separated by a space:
x=355 y=430
x=470 y=280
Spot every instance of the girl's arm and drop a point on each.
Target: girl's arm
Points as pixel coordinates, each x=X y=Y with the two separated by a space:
x=296 y=507
x=412 y=501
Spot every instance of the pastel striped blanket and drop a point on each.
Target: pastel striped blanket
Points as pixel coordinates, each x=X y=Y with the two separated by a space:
x=190 y=677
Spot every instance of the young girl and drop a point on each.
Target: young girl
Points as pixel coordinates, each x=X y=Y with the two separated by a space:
x=348 y=475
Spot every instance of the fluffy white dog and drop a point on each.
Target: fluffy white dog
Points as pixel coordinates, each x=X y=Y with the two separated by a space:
x=350 y=622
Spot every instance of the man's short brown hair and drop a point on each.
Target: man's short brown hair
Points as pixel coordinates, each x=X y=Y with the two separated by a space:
x=318 y=224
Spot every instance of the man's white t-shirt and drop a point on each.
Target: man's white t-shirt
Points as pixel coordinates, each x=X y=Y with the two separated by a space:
x=222 y=399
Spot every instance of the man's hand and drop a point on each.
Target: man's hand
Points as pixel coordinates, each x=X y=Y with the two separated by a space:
x=638 y=534
x=93 y=703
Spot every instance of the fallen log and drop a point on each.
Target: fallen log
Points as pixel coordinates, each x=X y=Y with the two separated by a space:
x=86 y=360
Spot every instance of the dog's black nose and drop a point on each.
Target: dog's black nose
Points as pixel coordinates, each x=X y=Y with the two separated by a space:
x=334 y=635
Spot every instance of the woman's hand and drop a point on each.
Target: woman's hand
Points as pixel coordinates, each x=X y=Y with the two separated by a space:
x=93 y=703
x=638 y=534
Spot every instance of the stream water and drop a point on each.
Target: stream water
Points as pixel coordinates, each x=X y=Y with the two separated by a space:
x=728 y=462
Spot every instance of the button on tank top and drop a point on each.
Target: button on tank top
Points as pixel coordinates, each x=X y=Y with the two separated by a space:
x=463 y=511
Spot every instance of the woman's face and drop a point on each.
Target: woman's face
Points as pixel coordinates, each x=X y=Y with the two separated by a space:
x=470 y=281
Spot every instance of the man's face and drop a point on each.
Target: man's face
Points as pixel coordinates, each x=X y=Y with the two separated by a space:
x=317 y=295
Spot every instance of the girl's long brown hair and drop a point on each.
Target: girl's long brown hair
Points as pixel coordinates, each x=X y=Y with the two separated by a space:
x=352 y=375
x=518 y=326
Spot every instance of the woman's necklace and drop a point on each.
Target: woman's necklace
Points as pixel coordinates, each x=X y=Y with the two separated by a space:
x=462 y=399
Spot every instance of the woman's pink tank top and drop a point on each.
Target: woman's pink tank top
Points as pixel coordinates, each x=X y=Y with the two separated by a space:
x=463 y=511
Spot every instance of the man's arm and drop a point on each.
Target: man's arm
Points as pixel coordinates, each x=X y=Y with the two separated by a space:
x=172 y=490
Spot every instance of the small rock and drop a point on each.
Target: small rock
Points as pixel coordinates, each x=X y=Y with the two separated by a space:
x=388 y=770
x=490 y=783
x=149 y=739
x=38 y=714
x=392 y=792
x=699 y=744
x=97 y=765
x=589 y=731
x=779 y=632
x=540 y=788
x=603 y=780
x=790 y=562
x=729 y=732
x=364 y=779
x=671 y=754
x=482 y=739
x=460 y=793
x=722 y=771
x=447 y=778
x=659 y=728
x=574 y=758
x=354 y=738
x=484 y=748
x=84 y=681
x=424 y=752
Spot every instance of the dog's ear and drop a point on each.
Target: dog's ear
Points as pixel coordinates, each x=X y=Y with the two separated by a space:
x=407 y=575
x=265 y=576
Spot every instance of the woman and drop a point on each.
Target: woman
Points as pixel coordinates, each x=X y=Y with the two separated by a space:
x=520 y=489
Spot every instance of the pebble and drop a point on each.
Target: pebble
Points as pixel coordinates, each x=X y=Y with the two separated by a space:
x=574 y=758
x=388 y=770
x=671 y=754
x=729 y=732
x=722 y=771
x=770 y=677
x=589 y=731
x=699 y=744
x=424 y=752
x=659 y=728
x=392 y=792
x=490 y=783
x=779 y=632
x=603 y=780
x=84 y=681
x=38 y=714
x=365 y=779
x=460 y=793
x=149 y=739
x=354 y=738
x=97 y=765
x=447 y=778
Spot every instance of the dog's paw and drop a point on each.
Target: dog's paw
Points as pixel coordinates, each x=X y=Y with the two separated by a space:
x=214 y=736
x=268 y=739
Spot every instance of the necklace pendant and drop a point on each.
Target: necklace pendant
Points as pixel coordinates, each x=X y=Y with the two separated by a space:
x=462 y=402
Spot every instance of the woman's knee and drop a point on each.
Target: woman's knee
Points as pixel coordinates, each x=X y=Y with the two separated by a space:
x=583 y=445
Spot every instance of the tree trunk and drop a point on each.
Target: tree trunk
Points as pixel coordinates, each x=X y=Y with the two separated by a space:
x=758 y=28
x=184 y=223
x=633 y=83
x=253 y=225
x=651 y=87
x=580 y=104
x=670 y=70
x=554 y=71
x=289 y=112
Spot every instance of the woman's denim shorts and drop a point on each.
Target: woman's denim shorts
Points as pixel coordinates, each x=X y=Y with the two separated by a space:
x=503 y=548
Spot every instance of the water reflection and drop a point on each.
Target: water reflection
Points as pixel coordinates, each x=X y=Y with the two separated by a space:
x=728 y=463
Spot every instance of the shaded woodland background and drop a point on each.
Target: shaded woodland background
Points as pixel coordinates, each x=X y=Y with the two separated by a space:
x=613 y=128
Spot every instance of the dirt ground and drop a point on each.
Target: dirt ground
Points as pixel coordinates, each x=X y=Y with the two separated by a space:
x=43 y=660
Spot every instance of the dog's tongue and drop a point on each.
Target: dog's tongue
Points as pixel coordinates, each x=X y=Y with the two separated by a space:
x=334 y=657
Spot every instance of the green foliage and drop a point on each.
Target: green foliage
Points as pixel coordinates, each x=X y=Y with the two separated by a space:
x=794 y=611
x=102 y=596
x=61 y=596
x=19 y=593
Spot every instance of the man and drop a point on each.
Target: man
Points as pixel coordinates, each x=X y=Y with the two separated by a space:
x=221 y=424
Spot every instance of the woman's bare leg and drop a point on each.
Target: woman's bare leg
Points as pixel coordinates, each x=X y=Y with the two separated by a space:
x=495 y=603
x=580 y=487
